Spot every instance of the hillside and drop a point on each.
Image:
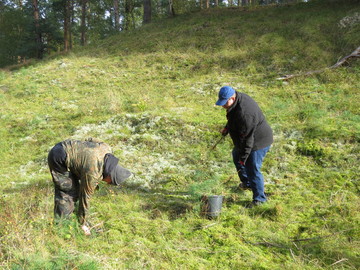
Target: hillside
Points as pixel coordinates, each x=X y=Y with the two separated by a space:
x=150 y=94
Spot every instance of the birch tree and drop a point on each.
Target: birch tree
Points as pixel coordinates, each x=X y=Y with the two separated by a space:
x=171 y=8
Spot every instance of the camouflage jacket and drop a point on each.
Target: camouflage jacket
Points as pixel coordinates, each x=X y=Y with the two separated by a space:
x=85 y=159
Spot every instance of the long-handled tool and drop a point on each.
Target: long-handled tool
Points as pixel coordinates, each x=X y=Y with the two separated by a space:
x=231 y=176
x=222 y=137
x=205 y=155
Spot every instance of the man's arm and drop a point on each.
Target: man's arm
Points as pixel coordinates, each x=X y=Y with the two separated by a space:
x=88 y=184
x=247 y=137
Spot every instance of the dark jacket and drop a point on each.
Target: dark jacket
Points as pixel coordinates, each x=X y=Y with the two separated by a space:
x=247 y=126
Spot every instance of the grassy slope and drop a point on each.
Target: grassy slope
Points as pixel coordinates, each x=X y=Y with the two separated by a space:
x=150 y=95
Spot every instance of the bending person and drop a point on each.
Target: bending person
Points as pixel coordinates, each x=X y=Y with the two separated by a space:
x=77 y=167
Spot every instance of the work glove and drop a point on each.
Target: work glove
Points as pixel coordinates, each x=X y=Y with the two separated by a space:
x=224 y=131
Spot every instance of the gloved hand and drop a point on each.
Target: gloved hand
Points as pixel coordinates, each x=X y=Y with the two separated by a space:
x=224 y=131
x=86 y=229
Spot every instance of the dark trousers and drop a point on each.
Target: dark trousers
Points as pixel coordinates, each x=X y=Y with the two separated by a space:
x=66 y=184
x=250 y=174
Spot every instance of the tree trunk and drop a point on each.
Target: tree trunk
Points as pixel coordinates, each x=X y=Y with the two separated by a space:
x=147 y=11
x=128 y=11
x=230 y=3
x=116 y=15
x=217 y=3
x=72 y=22
x=83 y=22
x=207 y=4
x=67 y=15
x=38 y=38
x=201 y=4
x=171 y=8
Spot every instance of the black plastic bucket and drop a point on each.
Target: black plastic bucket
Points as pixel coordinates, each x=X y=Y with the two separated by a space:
x=211 y=206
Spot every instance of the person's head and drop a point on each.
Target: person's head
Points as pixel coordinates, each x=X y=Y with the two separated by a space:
x=119 y=175
x=113 y=173
x=227 y=96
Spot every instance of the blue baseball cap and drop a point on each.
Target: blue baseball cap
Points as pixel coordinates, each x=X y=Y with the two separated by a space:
x=225 y=93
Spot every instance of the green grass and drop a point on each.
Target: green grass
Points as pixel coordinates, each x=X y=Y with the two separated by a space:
x=150 y=94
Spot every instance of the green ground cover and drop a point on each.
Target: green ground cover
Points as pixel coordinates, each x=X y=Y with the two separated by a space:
x=150 y=94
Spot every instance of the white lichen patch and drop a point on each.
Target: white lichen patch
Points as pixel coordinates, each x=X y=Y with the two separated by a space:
x=33 y=168
x=150 y=146
x=350 y=21
x=27 y=139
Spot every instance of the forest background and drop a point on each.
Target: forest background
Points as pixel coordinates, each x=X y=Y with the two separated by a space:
x=36 y=28
x=149 y=92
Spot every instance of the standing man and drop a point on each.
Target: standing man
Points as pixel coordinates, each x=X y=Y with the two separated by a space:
x=252 y=137
x=76 y=168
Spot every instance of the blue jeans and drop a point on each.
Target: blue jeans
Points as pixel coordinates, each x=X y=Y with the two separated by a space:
x=250 y=174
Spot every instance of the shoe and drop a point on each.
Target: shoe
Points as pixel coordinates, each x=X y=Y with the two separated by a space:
x=254 y=204
x=244 y=186
x=257 y=203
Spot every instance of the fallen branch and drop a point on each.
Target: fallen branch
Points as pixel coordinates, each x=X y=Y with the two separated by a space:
x=268 y=244
x=210 y=225
x=339 y=63
x=97 y=225
x=318 y=237
x=342 y=61
x=265 y=243
x=292 y=255
x=342 y=260
x=293 y=241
